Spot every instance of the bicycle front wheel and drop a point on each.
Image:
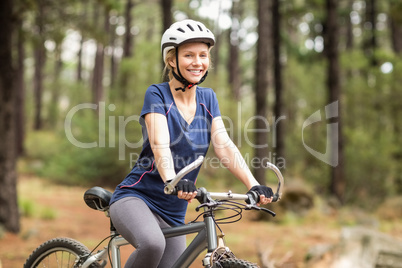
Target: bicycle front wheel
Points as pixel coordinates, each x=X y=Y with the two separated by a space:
x=234 y=263
x=57 y=252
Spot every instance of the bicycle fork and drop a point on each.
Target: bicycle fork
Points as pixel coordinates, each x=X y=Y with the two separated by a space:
x=216 y=244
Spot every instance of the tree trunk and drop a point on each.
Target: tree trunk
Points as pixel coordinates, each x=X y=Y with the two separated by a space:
x=218 y=37
x=234 y=41
x=261 y=86
x=79 y=59
x=113 y=60
x=394 y=103
x=39 y=56
x=337 y=185
x=98 y=71
x=55 y=90
x=349 y=26
x=20 y=92
x=128 y=37
x=97 y=77
x=396 y=26
x=370 y=45
x=79 y=54
x=127 y=51
x=167 y=19
x=278 y=108
x=9 y=214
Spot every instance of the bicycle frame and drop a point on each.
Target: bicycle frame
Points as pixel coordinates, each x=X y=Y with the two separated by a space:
x=206 y=238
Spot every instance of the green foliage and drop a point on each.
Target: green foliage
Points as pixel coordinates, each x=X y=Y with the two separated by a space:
x=27 y=208
x=369 y=104
x=305 y=89
x=30 y=209
x=85 y=154
x=48 y=213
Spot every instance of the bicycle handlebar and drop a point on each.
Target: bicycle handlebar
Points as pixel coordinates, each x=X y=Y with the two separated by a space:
x=208 y=199
x=278 y=194
x=170 y=185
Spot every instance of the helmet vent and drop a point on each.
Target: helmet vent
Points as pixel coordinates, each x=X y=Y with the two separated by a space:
x=172 y=38
x=190 y=27
x=199 y=27
x=180 y=30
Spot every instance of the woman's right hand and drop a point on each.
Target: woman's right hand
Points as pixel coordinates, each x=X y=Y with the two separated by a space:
x=186 y=190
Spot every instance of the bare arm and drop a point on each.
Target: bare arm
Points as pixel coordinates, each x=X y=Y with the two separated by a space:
x=159 y=139
x=229 y=154
x=230 y=157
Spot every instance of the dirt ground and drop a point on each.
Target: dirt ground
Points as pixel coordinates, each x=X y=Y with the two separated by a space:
x=59 y=211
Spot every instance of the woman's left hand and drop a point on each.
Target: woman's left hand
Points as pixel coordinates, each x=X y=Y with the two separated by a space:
x=265 y=194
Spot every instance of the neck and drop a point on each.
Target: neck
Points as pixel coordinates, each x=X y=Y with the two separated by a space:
x=185 y=96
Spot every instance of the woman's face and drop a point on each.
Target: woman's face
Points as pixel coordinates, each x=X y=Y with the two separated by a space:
x=193 y=61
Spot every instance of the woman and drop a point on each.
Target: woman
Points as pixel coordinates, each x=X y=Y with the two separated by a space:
x=179 y=120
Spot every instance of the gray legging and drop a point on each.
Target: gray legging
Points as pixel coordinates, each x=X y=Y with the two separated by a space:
x=142 y=228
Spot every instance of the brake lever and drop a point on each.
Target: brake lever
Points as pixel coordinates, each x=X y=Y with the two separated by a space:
x=209 y=204
x=273 y=214
x=255 y=207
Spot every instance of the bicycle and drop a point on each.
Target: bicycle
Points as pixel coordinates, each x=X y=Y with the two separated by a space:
x=68 y=252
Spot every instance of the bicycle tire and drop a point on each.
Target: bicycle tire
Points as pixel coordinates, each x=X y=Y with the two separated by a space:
x=57 y=252
x=234 y=263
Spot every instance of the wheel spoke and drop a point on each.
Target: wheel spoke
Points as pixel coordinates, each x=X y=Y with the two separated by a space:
x=57 y=253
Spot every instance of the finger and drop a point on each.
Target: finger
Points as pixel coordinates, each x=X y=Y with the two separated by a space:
x=180 y=194
x=185 y=195
x=267 y=201
x=190 y=196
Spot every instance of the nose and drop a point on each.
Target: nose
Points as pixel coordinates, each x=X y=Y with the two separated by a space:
x=197 y=61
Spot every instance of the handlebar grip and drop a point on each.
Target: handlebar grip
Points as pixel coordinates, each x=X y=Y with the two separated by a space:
x=253 y=195
x=275 y=198
x=253 y=198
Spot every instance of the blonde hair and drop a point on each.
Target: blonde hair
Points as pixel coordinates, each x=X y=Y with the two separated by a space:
x=168 y=69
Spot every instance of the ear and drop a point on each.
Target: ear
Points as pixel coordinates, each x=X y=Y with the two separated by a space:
x=172 y=63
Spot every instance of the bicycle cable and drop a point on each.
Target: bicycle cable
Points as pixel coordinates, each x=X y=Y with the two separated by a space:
x=235 y=207
x=103 y=240
x=222 y=206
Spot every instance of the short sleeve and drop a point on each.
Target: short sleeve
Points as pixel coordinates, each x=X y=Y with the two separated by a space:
x=215 y=106
x=154 y=101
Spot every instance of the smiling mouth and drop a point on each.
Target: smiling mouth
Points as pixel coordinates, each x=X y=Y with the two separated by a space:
x=195 y=71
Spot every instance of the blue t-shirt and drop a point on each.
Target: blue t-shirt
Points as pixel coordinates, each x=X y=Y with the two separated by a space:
x=187 y=142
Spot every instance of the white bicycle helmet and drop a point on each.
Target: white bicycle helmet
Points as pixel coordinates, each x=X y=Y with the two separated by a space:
x=185 y=31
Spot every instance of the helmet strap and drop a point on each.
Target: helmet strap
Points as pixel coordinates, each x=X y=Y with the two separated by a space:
x=181 y=79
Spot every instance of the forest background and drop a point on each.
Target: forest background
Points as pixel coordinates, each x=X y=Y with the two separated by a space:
x=313 y=86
